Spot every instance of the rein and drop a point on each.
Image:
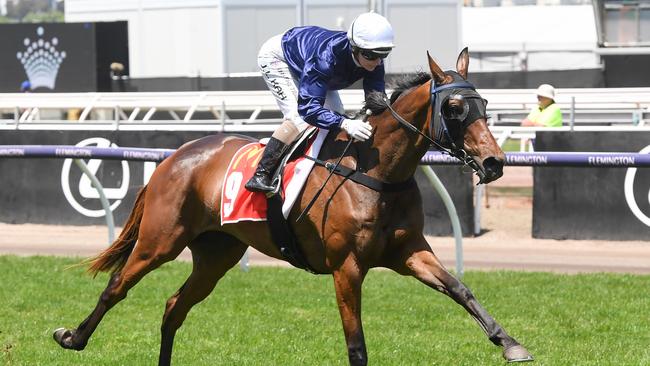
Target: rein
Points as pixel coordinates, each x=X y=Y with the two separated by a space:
x=376 y=185
x=454 y=151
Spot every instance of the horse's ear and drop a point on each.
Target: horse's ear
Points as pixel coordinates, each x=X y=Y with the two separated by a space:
x=436 y=72
x=462 y=64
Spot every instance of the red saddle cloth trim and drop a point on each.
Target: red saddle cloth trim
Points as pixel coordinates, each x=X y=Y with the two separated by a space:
x=238 y=203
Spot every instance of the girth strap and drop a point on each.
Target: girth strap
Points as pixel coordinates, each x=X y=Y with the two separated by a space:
x=283 y=236
x=364 y=179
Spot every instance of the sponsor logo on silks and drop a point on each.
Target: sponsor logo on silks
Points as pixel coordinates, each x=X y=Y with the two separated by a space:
x=41 y=60
x=85 y=188
x=629 y=192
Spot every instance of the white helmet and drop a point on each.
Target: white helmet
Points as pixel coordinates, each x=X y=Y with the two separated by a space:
x=371 y=31
x=546 y=90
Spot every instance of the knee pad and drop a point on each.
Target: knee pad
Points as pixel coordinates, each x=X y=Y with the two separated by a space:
x=287 y=132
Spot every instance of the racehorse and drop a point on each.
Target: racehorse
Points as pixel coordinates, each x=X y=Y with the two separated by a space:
x=351 y=229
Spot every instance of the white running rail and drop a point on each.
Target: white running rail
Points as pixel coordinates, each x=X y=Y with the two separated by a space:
x=257 y=111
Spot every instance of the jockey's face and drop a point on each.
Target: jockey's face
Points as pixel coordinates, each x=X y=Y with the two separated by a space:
x=368 y=63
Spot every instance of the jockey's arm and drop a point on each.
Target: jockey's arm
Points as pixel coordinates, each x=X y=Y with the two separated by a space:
x=311 y=98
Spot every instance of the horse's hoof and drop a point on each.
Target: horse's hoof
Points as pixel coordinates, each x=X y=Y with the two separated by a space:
x=517 y=354
x=63 y=337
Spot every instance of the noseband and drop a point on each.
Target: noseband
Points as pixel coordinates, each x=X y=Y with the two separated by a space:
x=442 y=138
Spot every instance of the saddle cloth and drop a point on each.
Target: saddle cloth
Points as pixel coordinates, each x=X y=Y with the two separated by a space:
x=239 y=204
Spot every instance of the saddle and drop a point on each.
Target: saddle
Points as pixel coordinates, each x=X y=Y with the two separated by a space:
x=296 y=150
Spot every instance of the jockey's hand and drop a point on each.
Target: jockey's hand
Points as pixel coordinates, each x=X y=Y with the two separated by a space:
x=357 y=129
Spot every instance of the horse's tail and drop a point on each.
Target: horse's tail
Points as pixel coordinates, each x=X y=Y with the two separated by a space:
x=114 y=257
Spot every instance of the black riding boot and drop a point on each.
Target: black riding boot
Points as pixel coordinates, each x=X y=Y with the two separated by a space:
x=261 y=180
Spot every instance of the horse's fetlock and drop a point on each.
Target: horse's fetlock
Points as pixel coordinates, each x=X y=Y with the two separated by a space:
x=358 y=360
x=78 y=346
x=357 y=355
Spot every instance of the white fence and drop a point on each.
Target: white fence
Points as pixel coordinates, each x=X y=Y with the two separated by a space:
x=241 y=111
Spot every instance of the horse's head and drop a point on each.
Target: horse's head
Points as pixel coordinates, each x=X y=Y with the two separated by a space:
x=459 y=121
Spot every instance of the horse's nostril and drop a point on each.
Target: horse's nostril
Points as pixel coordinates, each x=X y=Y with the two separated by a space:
x=493 y=167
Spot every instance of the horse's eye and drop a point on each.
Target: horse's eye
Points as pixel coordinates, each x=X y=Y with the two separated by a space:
x=456 y=108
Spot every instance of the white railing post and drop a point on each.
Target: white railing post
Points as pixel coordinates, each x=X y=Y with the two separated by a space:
x=110 y=223
x=453 y=215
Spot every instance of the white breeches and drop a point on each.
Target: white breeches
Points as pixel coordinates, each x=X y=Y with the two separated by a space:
x=284 y=85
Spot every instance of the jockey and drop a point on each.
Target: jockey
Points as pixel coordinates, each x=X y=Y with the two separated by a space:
x=304 y=68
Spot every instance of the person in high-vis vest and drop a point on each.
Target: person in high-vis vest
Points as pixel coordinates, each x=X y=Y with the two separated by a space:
x=305 y=66
x=546 y=113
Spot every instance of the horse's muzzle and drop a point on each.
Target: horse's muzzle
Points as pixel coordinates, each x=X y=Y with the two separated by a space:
x=493 y=169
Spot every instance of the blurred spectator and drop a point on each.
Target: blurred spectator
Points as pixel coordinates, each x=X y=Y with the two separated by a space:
x=546 y=113
x=25 y=86
x=28 y=114
x=118 y=79
x=117 y=70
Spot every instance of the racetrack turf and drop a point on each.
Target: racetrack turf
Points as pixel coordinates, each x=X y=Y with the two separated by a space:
x=276 y=316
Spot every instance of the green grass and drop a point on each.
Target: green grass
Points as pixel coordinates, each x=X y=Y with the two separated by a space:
x=511 y=145
x=273 y=316
x=511 y=191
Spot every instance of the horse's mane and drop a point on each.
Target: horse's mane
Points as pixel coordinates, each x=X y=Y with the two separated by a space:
x=376 y=100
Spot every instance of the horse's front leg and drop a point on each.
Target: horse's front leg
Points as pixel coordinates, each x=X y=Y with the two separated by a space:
x=348 y=278
x=418 y=260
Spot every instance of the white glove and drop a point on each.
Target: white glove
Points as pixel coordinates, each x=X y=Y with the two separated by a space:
x=357 y=129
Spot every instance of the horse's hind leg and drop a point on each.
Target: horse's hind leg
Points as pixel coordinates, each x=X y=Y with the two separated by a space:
x=213 y=255
x=154 y=247
x=419 y=261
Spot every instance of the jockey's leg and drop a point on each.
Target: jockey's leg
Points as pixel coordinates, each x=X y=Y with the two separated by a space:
x=261 y=181
x=278 y=78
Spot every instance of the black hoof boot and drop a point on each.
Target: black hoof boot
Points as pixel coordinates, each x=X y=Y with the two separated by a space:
x=64 y=337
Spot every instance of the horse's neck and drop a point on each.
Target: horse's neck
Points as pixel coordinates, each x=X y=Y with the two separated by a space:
x=399 y=149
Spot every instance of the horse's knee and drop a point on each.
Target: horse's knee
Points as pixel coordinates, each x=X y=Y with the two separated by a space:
x=169 y=306
x=172 y=321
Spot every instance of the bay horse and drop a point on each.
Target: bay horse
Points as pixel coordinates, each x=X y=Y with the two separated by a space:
x=350 y=230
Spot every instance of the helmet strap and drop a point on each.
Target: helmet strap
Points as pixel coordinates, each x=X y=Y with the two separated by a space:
x=355 y=56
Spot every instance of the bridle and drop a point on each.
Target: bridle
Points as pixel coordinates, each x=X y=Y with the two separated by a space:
x=439 y=94
x=442 y=139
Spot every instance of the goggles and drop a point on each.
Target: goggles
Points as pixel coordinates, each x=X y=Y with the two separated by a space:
x=372 y=55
